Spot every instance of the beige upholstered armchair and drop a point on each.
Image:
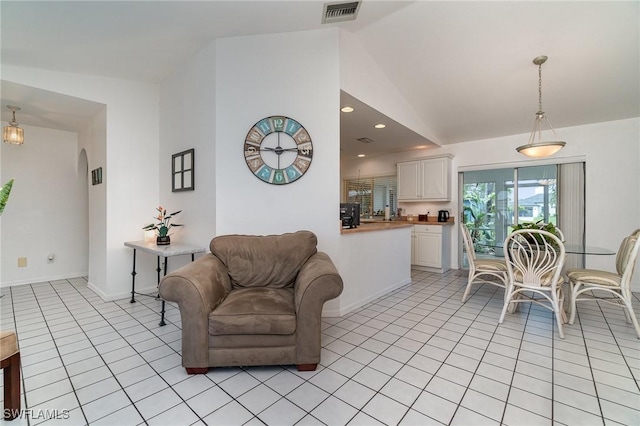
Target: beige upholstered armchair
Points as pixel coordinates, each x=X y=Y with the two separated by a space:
x=254 y=300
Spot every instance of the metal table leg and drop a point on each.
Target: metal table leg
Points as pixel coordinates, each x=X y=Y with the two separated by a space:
x=166 y=260
x=133 y=278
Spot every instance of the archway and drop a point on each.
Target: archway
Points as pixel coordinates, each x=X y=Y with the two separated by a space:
x=82 y=189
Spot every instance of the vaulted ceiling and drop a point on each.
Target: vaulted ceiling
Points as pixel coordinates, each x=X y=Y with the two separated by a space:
x=465 y=67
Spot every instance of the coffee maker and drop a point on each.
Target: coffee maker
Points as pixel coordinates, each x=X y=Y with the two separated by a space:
x=443 y=215
x=350 y=215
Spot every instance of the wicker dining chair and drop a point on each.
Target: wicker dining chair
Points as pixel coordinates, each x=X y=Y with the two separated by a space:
x=534 y=261
x=610 y=287
x=488 y=271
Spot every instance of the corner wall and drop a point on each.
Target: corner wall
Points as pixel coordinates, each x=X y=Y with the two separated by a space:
x=295 y=75
x=187 y=120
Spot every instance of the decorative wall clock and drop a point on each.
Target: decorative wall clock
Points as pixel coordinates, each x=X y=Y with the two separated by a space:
x=278 y=150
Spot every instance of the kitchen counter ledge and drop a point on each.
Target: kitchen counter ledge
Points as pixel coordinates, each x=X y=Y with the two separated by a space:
x=433 y=222
x=377 y=226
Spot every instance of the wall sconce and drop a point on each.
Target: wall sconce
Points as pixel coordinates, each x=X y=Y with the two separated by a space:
x=12 y=133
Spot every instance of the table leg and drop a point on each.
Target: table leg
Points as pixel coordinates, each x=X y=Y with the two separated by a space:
x=158 y=268
x=133 y=278
x=162 y=323
x=166 y=261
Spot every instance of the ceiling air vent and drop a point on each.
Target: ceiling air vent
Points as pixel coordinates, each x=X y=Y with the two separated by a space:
x=365 y=140
x=338 y=12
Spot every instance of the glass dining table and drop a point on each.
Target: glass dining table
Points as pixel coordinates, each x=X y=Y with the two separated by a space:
x=494 y=249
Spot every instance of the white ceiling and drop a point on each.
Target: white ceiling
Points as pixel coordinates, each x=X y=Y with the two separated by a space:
x=465 y=67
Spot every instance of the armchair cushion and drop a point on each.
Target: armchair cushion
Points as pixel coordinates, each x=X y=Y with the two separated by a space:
x=264 y=261
x=255 y=311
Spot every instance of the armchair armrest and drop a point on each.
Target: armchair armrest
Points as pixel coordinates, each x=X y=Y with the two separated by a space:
x=198 y=288
x=317 y=282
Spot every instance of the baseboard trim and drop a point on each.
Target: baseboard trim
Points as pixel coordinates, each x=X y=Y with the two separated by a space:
x=430 y=269
x=151 y=291
x=355 y=305
x=44 y=279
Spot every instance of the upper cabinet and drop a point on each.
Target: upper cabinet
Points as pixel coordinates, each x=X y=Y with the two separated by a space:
x=425 y=180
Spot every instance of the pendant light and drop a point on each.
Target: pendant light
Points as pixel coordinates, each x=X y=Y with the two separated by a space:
x=12 y=133
x=537 y=147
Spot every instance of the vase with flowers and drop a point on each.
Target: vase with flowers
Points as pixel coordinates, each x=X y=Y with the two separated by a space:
x=163 y=226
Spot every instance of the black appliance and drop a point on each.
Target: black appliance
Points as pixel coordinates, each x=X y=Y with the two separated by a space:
x=350 y=215
x=443 y=215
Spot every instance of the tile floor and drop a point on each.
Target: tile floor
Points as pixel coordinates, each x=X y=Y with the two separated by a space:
x=416 y=356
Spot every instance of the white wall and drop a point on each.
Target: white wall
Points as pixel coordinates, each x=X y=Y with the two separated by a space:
x=295 y=75
x=371 y=265
x=93 y=141
x=612 y=154
x=187 y=120
x=47 y=212
x=216 y=98
x=130 y=168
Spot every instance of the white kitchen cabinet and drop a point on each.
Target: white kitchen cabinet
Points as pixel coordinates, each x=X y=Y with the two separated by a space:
x=430 y=247
x=408 y=180
x=425 y=180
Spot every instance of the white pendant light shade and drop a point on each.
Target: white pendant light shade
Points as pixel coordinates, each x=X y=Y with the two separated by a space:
x=12 y=133
x=540 y=150
x=538 y=147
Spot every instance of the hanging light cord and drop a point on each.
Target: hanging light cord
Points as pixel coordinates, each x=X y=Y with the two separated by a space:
x=540 y=89
x=537 y=125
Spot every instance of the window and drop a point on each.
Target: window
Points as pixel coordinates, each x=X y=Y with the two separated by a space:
x=494 y=200
x=373 y=194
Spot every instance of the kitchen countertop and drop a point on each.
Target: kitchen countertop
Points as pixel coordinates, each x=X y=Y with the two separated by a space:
x=376 y=226
x=368 y=225
x=433 y=222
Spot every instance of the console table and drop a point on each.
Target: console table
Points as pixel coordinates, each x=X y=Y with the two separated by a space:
x=159 y=251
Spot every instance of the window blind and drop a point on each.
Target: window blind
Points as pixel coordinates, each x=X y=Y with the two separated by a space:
x=373 y=194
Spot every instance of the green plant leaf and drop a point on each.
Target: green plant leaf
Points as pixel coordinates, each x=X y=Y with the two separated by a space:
x=4 y=194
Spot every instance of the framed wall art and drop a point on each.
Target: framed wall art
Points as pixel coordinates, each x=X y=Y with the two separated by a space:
x=182 y=171
x=96 y=176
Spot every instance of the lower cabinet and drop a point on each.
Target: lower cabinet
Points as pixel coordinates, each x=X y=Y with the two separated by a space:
x=430 y=247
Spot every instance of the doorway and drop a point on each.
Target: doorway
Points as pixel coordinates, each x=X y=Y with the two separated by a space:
x=494 y=200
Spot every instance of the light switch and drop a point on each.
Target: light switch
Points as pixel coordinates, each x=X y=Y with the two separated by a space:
x=22 y=262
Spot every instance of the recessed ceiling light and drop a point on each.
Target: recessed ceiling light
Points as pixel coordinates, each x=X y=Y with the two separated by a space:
x=380 y=126
x=361 y=155
x=346 y=109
